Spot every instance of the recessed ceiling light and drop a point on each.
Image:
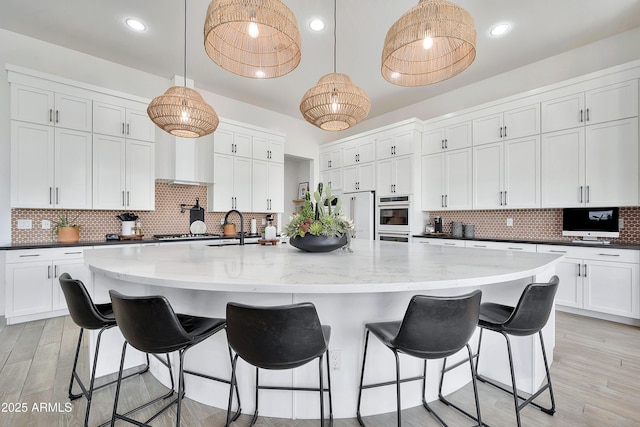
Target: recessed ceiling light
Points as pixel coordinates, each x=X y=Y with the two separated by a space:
x=135 y=24
x=316 y=24
x=500 y=29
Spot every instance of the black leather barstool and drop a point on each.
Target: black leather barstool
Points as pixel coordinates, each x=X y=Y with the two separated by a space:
x=279 y=337
x=433 y=327
x=90 y=316
x=149 y=324
x=528 y=317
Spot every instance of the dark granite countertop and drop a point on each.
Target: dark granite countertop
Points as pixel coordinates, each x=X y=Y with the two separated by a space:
x=534 y=242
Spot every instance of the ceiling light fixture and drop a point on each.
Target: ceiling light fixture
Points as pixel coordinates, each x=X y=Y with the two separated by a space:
x=316 y=24
x=247 y=36
x=500 y=30
x=432 y=42
x=335 y=103
x=135 y=24
x=181 y=111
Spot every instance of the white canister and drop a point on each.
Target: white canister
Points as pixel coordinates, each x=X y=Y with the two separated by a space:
x=254 y=227
x=270 y=232
x=127 y=228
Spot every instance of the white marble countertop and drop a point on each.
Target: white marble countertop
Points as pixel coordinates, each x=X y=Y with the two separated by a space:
x=373 y=266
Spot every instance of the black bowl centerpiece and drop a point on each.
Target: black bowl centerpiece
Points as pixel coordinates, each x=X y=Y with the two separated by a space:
x=320 y=227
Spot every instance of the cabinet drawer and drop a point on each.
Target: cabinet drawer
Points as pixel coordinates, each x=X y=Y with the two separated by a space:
x=599 y=254
x=32 y=255
x=503 y=246
x=440 y=242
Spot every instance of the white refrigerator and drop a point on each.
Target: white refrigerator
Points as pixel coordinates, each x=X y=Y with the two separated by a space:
x=360 y=208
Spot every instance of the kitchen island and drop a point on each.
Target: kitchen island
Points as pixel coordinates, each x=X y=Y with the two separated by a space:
x=349 y=289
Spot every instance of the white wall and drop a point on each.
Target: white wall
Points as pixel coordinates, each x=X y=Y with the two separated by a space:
x=596 y=56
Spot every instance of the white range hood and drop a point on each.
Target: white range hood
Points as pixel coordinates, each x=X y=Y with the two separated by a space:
x=184 y=161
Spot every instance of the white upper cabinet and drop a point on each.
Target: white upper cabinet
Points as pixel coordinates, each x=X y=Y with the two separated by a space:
x=508 y=124
x=603 y=104
x=268 y=149
x=595 y=165
x=400 y=144
x=359 y=151
x=447 y=180
x=232 y=184
x=46 y=107
x=232 y=143
x=123 y=173
x=394 y=176
x=118 y=120
x=331 y=159
x=506 y=174
x=452 y=137
x=359 y=178
x=332 y=178
x=50 y=168
x=267 y=188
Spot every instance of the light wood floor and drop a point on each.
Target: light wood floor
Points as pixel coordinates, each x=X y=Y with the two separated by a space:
x=596 y=378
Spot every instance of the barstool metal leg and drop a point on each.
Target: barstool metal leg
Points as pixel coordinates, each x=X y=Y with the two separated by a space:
x=514 y=389
x=477 y=417
x=329 y=386
x=321 y=390
x=364 y=361
x=255 y=414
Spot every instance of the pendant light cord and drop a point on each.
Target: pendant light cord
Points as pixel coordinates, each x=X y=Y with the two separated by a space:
x=185 y=43
x=335 y=26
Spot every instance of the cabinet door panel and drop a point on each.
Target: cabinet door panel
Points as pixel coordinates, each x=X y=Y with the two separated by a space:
x=77 y=270
x=563 y=169
x=488 y=176
x=108 y=119
x=222 y=183
x=563 y=113
x=487 y=129
x=29 y=288
x=276 y=149
x=276 y=187
x=32 y=105
x=242 y=144
x=73 y=112
x=350 y=179
x=522 y=173
x=366 y=177
x=612 y=163
x=32 y=165
x=73 y=169
x=404 y=177
x=432 y=182
x=242 y=183
x=569 y=291
x=140 y=175
x=458 y=178
x=261 y=185
x=522 y=122
x=140 y=126
x=612 y=287
x=108 y=172
x=458 y=136
x=432 y=141
x=614 y=102
x=223 y=142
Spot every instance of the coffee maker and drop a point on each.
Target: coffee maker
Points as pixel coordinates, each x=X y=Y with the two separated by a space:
x=437 y=224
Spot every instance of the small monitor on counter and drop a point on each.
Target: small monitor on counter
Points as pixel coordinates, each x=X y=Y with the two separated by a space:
x=590 y=223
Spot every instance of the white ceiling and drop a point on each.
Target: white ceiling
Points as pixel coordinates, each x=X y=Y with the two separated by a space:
x=540 y=29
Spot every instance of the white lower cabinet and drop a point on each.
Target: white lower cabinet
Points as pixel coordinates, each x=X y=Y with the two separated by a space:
x=503 y=246
x=601 y=280
x=32 y=287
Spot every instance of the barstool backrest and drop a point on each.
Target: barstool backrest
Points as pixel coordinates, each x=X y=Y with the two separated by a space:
x=149 y=323
x=435 y=327
x=278 y=337
x=533 y=309
x=81 y=307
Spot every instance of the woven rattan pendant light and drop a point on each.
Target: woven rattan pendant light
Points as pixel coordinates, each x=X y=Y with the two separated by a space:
x=252 y=38
x=335 y=103
x=432 y=42
x=181 y=111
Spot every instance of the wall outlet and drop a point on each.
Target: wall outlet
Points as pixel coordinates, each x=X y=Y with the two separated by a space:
x=264 y=221
x=221 y=221
x=509 y=222
x=335 y=360
x=621 y=223
x=25 y=224
x=46 y=224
